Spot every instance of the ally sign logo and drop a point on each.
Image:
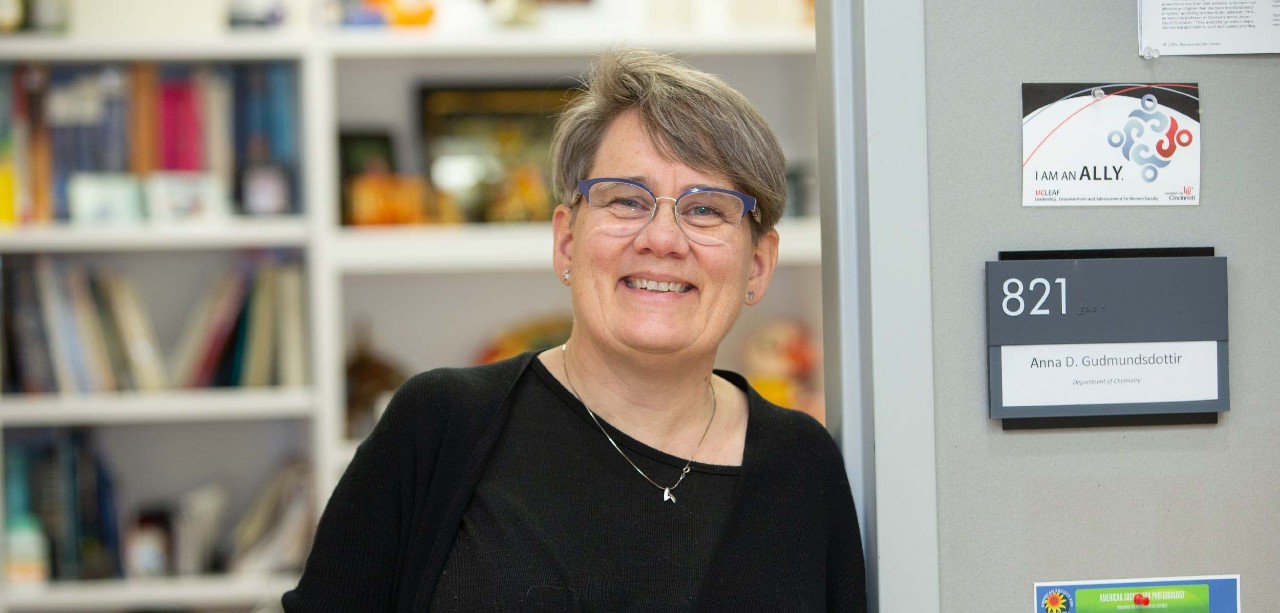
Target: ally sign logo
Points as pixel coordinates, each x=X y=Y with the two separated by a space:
x=1110 y=144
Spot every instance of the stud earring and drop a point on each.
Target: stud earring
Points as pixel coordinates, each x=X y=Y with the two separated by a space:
x=565 y=275
x=751 y=295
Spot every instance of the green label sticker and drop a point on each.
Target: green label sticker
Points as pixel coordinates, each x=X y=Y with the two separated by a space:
x=1192 y=598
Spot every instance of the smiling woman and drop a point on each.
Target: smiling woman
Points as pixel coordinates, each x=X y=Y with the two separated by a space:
x=619 y=471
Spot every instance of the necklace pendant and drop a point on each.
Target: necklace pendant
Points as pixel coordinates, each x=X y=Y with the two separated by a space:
x=666 y=495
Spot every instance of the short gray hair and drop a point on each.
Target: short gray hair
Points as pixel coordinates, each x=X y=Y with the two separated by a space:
x=691 y=116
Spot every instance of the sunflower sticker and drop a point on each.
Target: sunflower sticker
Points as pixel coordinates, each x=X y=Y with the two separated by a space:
x=1056 y=601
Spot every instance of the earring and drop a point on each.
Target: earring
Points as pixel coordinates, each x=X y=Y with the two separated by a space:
x=565 y=275
x=751 y=296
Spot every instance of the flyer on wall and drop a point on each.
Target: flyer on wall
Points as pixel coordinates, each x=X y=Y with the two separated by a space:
x=1209 y=594
x=1183 y=27
x=1110 y=144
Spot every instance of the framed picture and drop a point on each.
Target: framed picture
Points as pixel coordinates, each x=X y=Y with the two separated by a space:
x=105 y=199
x=486 y=150
x=184 y=197
x=362 y=153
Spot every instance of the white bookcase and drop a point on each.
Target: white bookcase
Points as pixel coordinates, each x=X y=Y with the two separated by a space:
x=433 y=295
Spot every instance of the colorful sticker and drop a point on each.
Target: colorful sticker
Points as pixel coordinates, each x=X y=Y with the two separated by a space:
x=1220 y=594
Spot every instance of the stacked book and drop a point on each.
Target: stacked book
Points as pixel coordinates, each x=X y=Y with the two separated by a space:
x=84 y=143
x=74 y=329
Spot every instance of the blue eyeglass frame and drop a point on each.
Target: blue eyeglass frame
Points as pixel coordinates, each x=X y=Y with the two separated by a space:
x=748 y=202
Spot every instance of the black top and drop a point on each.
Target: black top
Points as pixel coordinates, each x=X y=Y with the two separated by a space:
x=790 y=543
x=561 y=519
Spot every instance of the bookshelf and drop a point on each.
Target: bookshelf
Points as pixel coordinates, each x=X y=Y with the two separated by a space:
x=177 y=593
x=433 y=295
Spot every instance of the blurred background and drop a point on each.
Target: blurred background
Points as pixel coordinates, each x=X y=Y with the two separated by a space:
x=229 y=228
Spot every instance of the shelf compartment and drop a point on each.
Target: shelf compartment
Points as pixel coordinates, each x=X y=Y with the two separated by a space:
x=471 y=247
x=501 y=247
x=229 y=234
x=238 y=46
x=174 y=592
x=156 y=407
x=537 y=43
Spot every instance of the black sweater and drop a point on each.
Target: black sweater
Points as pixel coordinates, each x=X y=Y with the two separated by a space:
x=791 y=542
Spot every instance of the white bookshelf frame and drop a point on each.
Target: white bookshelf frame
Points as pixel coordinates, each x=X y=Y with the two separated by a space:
x=331 y=253
x=161 y=592
x=233 y=233
x=156 y=407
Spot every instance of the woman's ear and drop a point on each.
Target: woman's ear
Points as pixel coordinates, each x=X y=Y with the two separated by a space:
x=562 y=236
x=764 y=258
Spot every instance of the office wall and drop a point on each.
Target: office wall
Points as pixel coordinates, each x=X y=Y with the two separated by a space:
x=1020 y=507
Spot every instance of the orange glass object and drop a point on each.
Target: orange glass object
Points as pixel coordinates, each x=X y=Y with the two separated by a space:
x=403 y=13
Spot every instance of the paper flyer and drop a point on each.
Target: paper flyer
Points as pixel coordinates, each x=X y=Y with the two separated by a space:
x=1110 y=144
x=1210 y=594
x=1197 y=27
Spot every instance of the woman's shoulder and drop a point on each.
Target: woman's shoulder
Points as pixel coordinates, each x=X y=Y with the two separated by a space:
x=469 y=380
x=468 y=392
x=779 y=427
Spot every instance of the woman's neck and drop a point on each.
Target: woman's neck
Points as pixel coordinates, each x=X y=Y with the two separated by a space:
x=661 y=401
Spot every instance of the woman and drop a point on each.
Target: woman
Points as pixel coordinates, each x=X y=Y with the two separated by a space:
x=617 y=472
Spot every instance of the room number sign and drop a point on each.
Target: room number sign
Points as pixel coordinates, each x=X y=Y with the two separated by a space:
x=1091 y=336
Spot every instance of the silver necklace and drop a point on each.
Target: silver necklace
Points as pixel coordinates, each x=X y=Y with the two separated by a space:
x=666 y=491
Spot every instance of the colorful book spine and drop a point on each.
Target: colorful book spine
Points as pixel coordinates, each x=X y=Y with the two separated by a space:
x=35 y=84
x=144 y=108
x=8 y=185
x=291 y=355
x=114 y=125
x=181 y=135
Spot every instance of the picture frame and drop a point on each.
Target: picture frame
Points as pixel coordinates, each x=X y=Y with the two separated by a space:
x=186 y=197
x=105 y=199
x=361 y=152
x=486 y=149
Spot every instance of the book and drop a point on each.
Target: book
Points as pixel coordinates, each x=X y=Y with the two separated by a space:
x=222 y=325
x=213 y=87
x=113 y=130
x=88 y=328
x=144 y=85
x=231 y=361
x=136 y=333
x=274 y=534
x=55 y=498
x=282 y=103
x=20 y=134
x=33 y=365
x=110 y=328
x=259 y=358
x=207 y=330
x=291 y=356
x=8 y=191
x=60 y=327
x=40 y=162
x=181 y=134
x=61 y=120
x=186 y=352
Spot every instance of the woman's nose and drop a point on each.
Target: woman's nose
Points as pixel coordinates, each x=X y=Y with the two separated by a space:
x=663 y=234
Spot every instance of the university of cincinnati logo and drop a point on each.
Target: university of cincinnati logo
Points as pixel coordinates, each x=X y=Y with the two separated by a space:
x=1056 y=601
x=1147 y=125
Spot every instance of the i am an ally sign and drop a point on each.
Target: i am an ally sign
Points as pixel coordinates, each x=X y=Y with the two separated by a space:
x=1110 y=144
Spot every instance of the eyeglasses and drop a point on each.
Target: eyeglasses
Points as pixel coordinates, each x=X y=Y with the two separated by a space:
x=706 y=215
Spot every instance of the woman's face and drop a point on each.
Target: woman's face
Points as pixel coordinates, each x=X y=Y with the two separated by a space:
x=615 y=302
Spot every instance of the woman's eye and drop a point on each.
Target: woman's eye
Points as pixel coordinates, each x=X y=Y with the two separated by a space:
x=702 y=210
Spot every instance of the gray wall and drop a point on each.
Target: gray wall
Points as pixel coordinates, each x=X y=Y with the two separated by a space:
x=1020 y=507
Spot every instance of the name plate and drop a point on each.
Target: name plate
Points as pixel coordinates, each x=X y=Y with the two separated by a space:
x=1106 y=336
